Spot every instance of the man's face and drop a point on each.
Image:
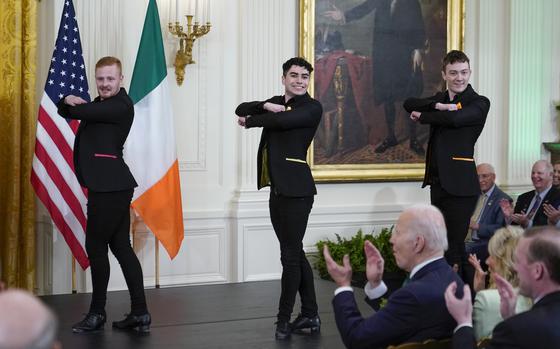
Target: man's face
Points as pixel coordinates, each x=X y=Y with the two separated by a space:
x=523 y=268
x=108 y=80
x=540 y=176
x=457 y=76
x=295 y=81
x=403 y=243
x=486 y=178
x=556 y=175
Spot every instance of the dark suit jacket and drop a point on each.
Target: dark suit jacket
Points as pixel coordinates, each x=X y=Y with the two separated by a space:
x=492 y=217
x=524 y=200
x=453 y=135
x=414 y=313
x=536 y=328
x=98 y=147
x=284 y=142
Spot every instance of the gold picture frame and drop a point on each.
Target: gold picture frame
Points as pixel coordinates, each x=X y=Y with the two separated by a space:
x=378 y=170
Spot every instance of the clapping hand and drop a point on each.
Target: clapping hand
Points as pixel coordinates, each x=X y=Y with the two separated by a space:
x=460 y=309
x=374 y=264
x=341 y=274
x=479 y=281
x=508 y=296
x=552 y=213
x=507 y=210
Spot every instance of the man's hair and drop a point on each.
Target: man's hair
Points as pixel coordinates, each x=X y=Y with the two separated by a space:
x=454 y=56
x=547 y=165
x=428 y=221
x=298 y=61
x=26 y=322
x=502 y=247
x=544 y=246
x=488 y=166
x=108 y=61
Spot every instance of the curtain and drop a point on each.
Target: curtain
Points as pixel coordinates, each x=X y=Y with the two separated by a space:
x=18 y=111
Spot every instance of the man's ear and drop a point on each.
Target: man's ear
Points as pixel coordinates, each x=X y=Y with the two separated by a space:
x=538 y=270
x=419 y=243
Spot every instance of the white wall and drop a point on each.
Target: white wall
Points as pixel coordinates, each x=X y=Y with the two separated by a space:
x=228 y=235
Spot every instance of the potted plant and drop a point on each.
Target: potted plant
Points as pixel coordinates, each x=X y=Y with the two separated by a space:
x=354 y=248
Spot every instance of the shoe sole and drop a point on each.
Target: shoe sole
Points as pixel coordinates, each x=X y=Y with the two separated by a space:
x=80 y=331
x=307 y=330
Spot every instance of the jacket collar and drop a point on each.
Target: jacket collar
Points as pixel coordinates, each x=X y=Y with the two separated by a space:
x=550 y=298
x=296 y=99
x=430 y=267
x=121 y=91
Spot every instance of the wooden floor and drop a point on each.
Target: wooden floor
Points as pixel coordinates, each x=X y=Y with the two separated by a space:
x=216 y=316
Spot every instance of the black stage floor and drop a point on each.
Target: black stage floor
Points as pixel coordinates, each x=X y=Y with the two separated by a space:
x=238 y=315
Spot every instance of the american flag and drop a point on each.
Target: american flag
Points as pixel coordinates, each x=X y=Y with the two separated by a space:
x=52 y=175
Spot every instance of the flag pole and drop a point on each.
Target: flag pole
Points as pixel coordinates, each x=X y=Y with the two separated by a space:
x=157 y=260
x=74 y=289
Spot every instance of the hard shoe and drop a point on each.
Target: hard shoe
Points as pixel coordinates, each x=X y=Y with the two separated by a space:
x=283 y=330
x=138 y=323
x=91 y=323
x=303 y=323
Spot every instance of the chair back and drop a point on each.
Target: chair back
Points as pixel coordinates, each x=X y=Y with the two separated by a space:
x=428 y=344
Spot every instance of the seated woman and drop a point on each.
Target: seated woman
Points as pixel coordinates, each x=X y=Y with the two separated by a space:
x=486 y=310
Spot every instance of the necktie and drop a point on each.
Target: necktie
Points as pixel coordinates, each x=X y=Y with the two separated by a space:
x=535 y=207
x=476 y=214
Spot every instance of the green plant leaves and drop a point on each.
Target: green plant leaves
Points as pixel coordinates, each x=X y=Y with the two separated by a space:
x=354 y=248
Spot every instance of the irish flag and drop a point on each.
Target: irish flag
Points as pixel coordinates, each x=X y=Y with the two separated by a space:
x=150 y=147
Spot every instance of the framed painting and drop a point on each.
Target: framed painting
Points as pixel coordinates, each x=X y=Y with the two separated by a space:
x=368 y=56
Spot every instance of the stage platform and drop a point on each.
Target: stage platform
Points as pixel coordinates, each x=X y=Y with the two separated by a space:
x=240 y=315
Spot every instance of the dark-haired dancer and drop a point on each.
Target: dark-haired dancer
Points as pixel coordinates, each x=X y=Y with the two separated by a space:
x=289 y=123
x=456 y=118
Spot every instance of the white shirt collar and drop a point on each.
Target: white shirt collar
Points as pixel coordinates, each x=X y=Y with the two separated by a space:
x=490 y=191
x=422 y=265
x=543 y=193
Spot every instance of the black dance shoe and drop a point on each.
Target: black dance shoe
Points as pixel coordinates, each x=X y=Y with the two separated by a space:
x=303 y=323
x=283 y=330
x=91 y=323
x=138 y=323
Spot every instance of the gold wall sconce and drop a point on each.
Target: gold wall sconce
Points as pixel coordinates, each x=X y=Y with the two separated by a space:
x=186 y=41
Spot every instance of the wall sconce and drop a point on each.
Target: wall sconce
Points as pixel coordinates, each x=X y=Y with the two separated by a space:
x=186 y=41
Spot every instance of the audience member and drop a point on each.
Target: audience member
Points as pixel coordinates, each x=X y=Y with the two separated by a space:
x=486 y=313
x=25 y=322
x=414 y=313
x=530 y=206
x=537 y=263
x=487 y=216
x=556 y=175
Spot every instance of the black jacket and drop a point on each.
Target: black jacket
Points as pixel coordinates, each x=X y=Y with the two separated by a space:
x=98 y=147
x=284 y=142
x=524 y=200
x=536 y=328
x=453 y=135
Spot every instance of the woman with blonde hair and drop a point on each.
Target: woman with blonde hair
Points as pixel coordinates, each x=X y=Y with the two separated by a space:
x=486 y=310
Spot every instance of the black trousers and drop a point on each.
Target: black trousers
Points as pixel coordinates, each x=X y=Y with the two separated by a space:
x=289 y=217
x=457 y=212
x=108 y=225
